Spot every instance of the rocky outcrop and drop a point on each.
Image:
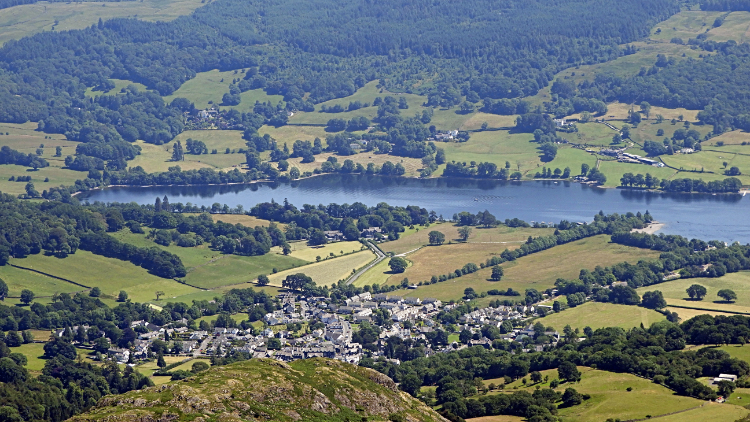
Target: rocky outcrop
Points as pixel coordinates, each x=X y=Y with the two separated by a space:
x=267 y=390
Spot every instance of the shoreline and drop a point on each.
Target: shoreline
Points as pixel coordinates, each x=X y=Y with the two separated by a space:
x=740 y=192
x=652 y=228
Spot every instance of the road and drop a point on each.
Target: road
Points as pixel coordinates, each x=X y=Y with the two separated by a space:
x=380 y=256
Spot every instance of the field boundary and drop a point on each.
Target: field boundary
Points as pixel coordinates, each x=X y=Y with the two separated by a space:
x=708 y=310
x=49 y=275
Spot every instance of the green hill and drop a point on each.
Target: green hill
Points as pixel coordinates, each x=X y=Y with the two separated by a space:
x=263 y=389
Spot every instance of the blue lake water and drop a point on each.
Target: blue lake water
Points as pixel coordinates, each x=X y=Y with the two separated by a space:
x=723 y=217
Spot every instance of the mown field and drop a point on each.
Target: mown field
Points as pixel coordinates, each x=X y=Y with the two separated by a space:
x=540 y=270
x=34 y=353
x=675 y=292
x=21 y=21
x=329 y=271
x=207 y=88
x=419 y=236
x=601 y=315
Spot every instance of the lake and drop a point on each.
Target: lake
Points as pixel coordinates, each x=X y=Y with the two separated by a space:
x=703 y=216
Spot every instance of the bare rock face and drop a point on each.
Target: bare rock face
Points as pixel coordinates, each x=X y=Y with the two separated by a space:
x=267 y=390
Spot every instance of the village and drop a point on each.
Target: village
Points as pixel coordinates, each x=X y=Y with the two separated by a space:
x=329 y=331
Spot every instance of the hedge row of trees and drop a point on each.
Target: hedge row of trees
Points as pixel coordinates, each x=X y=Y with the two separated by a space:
x=728 y=185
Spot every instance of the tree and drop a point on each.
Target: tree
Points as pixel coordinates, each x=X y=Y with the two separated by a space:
x=725 y=388
x=199 y=367
x=27 y=296
x=273 y=343
x=294 y=173
x=296 y=281
x=31 y=191
x=411 y=384
x=123 y=296
x=585 y=169
x=464 y=336
x=436 y=238
x=696 y=291
x=159 y=294
x=160 y=361
x=95 y=292
x=568 y=371
x=497 y=273
x=398 y=264
x=646 y=109
x=3 y=289
x=101 y=345
x=536 y=377
x=654 y=300
x=263 y=280
x=177 y=152
x=727 y=295
x=464 y=232
x=571 y=397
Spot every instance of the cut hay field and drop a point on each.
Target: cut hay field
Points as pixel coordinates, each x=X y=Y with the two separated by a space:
x=305 y=252
x=539 y=270
x=685 y=313
x=244 y=219
x=329 y=271
x=56 y=175
x=437 y=260
x=111 y=275
x=610 y=398
x=21 y=21
x=601 y=315
x=289 y=133
x=491 y=237
x=675 y=294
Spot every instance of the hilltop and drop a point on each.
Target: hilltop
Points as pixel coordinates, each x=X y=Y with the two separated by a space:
x=310 y=390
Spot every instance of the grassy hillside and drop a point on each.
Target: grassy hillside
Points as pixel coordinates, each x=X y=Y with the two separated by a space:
x=309 y=390
x=21 y=21
x=610 y=399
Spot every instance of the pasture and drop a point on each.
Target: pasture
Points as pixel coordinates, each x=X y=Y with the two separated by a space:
x=21 y=21
x=158 y=158
x=109 y=274
x=675 y=292
x=540 y=270
x=207 y=88
x=601 y=315
x=234 y=269
x=305 y=252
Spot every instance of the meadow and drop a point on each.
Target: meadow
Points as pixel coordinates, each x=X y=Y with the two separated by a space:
x=158 y=158
x=610 y=398
x=600 y=315
x=34 y=353
x=21 y=21
x=207 y=88
x=675 y=294
x=110 y=275
x=540 y=270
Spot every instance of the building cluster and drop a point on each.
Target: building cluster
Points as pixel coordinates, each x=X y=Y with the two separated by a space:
x=625 y=157
x=328 y=330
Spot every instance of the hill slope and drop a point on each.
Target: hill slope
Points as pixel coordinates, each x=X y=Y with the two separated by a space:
x=263 y=389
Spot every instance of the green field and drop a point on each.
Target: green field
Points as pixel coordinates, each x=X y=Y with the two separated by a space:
x=158 y=158
x=610 y=399
x=301 y=250
x=34 y=353
x=19 y=279
x=207 y=88
x=601 y=315
x=21 y=21
x=111 y=275
x=539 y=270
x=235 y=269
x=675 y=294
